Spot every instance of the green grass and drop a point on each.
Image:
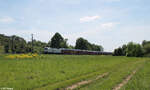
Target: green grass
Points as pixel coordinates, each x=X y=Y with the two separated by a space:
x=58 y=71
x=116 y=76
x=141 y=80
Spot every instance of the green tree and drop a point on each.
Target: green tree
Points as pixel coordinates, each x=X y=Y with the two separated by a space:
x=64 y=44
x=4 y=42
x=134 y=50
x=82 y=44
x=124 y=48
x=38 y=46
x=146 y=47
x=118 y=52
x=71 y=47
x=18 y=44
x=95 y=47
x=145 y=42
x=2 y=50
x=6 y=48
x=57 y=41
x=139 y=51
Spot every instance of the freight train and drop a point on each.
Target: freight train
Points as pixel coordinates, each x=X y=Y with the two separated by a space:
x=48 y=50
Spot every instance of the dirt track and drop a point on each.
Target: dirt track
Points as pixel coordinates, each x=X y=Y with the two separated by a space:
x=74 y=86
x=125 y=81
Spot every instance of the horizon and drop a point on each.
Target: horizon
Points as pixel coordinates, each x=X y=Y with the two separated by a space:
x=110 y=23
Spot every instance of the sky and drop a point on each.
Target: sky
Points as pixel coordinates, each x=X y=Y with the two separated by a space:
x=110 y=23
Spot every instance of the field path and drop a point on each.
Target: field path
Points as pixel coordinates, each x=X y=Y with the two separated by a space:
x=76 y=85
x=125 y=81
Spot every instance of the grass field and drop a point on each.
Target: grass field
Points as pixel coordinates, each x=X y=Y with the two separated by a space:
x=60 y=71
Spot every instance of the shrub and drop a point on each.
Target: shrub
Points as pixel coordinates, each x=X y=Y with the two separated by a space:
x=134 y=50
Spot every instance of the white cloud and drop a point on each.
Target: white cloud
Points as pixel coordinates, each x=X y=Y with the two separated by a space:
x=7 y=20
x=89 y=18
x=109 y=25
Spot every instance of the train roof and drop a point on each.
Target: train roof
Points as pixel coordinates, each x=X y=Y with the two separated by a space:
x=77 y=50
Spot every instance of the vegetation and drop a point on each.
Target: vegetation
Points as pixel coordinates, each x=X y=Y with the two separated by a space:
x=57 y=41
x=16 y=44
x=141 y=80
x=116 y=76
x=4 y=42
x=133 y=50
x=37 y=46
x=41 y=72
x=1 y=49
x=146 y=48
x=21 y=56
x=118 y=52
x=59 y=71
x=83 y=44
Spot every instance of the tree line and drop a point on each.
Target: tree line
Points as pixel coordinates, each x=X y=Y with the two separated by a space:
x=57 y=41
x=16 y=44
x=133 y=49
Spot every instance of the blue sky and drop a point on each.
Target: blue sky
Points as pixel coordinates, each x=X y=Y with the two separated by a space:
x=110 y=23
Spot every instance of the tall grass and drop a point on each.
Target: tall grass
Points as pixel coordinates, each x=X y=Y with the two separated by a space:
x=56 y=71
x=117 y=75
x=141 y=80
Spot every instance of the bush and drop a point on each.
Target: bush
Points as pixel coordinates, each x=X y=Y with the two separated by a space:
x=134 y=50
x=1 y=49
x=118 y=52
x=146 y=48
